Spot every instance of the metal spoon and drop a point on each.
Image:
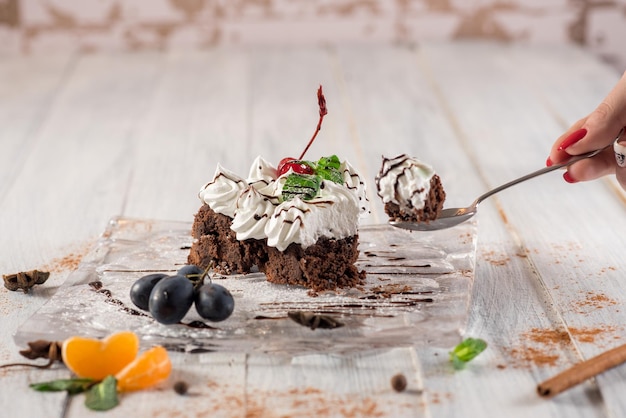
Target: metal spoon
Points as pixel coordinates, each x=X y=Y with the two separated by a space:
x=454 y=216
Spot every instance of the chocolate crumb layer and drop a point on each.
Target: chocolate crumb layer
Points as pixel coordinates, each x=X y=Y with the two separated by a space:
x=431 y=210
x=326 y=265
x=216 y=243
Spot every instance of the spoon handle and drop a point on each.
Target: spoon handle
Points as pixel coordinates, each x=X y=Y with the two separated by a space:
x=540 y=172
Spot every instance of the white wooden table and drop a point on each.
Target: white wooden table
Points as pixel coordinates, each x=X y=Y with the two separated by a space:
x=87 y=137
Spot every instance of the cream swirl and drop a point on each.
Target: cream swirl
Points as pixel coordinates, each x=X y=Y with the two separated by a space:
x=253 y=212
x=333 y=214
x=222 y=192
x=353 y=182
x=258 y=213
x=261 y=173
x=404 y=181
x=283 y=227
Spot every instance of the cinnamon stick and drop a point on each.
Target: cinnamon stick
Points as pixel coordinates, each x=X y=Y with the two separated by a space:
x=582 y=371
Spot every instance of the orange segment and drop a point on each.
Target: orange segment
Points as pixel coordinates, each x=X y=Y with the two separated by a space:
x=150 y=368
x=97 y=359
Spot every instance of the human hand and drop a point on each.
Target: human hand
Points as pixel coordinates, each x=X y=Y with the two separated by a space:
x=592 y=132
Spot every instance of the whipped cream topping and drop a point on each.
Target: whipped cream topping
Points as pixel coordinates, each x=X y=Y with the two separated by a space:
x=334 y=214
x=353 y=182
x=258 y=213
x=222 y=192
x=404 y=181
x=253 y=212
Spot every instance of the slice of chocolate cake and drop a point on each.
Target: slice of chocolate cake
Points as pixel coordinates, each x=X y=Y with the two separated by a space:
x=410 y=190
x=297 y=228
x=298 y=222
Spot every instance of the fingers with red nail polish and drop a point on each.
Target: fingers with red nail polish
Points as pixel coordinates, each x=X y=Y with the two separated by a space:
x=572 y=138
x=549 y=162
x=568 y=178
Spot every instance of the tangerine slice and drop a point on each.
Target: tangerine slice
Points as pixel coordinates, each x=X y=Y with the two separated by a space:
x=150 y=368
x=97 y=359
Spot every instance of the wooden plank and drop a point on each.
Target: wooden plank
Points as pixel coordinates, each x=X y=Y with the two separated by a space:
x=411 y=91
x=196 y=119
x=72 y=180
x=335 y=386
x=29 y=89
x=544 y=238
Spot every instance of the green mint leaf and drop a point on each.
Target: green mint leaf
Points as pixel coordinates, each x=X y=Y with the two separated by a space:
x=328 y=168
x=72 y=386
x=304 y=186
x=466 y=351
x=103 y=396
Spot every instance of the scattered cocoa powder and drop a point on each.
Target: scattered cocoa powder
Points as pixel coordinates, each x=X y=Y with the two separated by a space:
x=437 y=398
x=592 y=301
x=591 y=335
x=496 y=259
x=68 y=262
x=387 y=290
x=547 y=336
x=306 y=401
x=466 y=238
x=540 y=346
x=530 y=355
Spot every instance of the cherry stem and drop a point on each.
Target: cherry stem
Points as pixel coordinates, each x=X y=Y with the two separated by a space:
x=321 y=101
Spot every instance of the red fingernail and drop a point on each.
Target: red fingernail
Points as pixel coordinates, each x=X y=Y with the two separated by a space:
x=572 y=138
x=568 y=178
x=548 y=162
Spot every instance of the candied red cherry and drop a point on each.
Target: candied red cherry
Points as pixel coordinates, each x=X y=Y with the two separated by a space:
x=281 y=165
x=296 y=165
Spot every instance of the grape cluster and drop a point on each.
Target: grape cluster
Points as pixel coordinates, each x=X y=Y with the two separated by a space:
x=169 y=298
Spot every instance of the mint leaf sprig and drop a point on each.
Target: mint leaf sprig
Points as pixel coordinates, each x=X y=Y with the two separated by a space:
x=466 y=351
x=72 y=386
x=101 y=396
x=307 y=186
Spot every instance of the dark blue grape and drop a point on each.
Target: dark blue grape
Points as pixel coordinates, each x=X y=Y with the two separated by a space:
x=214 y=302
x=190 y=269
x=141 y=289
x=171 y=299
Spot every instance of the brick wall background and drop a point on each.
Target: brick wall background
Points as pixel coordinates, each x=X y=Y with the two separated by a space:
x=32 y=26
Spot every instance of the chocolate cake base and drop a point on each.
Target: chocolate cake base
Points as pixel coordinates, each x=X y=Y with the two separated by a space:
x=326 y=265
x=431 y=210
x=216 y=243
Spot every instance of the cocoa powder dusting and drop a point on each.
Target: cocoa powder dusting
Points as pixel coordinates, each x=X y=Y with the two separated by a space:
x=496 y=259
x=593 y=301
x=68 y=262
x=537 y=356
x=591 y=335
x=542 y=346
x=291 y=403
